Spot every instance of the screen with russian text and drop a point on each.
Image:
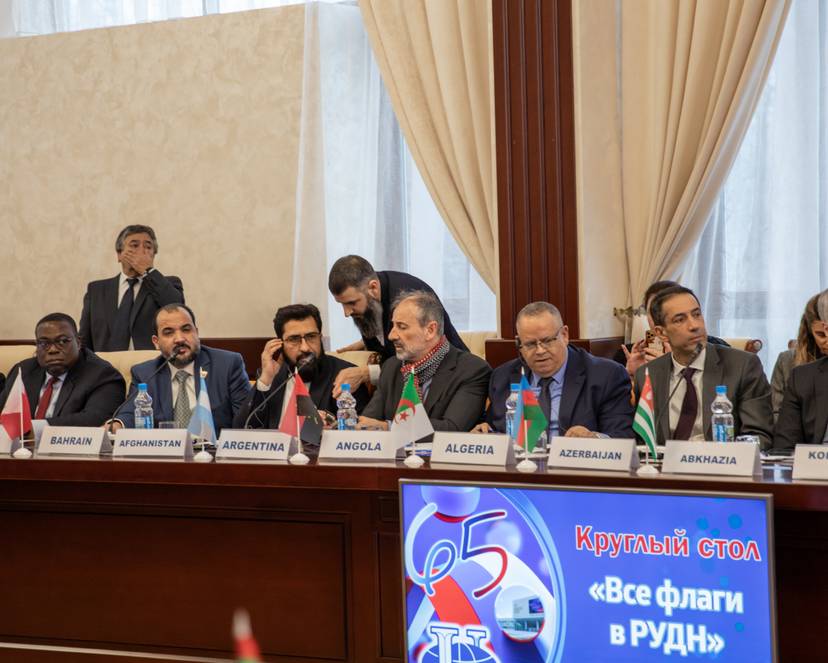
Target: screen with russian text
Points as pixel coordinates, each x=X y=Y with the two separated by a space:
x=521 y=574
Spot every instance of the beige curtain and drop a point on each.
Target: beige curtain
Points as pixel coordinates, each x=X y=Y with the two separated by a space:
x=435 y=60
x=691 y=73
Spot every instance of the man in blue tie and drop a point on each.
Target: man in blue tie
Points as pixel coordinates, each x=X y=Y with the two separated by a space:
x=581 y=395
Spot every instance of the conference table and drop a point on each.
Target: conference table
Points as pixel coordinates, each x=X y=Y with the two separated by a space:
x=103 y=556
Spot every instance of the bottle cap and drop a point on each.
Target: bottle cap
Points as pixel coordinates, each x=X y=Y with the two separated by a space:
x=721 y=389
x=346 y=387
x=142 y=386
x=516 y=386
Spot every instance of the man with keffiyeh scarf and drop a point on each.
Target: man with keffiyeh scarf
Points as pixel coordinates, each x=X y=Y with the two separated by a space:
x=452 y=384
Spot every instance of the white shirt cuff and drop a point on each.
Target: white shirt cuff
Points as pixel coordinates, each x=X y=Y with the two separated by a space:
x=374 y=373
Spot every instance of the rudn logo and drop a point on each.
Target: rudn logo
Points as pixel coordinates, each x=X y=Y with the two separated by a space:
x=451 y=643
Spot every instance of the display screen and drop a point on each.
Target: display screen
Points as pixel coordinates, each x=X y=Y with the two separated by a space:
x=520 y=574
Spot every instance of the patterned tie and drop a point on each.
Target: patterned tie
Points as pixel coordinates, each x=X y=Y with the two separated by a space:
x=689 y=407
x=545 y=398
x=121 y=331
x=181 y=409
x=43 y=404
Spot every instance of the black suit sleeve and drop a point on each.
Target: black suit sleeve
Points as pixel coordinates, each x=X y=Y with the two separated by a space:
x=755 y=412
x=2 y=382
x=615 y=412
x=375 y=409
x=238 y=385
x=85 y=330
x=163 y=289
x=467 y=403
x=102 y=398
x=789 y=431
x=362 y=398
x=260 y=419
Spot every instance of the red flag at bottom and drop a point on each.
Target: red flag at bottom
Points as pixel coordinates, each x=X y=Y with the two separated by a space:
x=16 y=416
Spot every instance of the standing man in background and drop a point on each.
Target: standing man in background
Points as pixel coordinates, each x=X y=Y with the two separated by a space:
x=119 y=312
x=366 y=297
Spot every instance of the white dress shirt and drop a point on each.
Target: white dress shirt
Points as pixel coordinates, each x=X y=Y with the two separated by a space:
x=678 y=397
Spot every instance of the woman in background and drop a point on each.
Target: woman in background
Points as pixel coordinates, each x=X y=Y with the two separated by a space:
x=811 y=344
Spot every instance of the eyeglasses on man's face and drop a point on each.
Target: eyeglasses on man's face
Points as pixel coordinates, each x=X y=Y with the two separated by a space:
x=547 y=344
x=295 y=340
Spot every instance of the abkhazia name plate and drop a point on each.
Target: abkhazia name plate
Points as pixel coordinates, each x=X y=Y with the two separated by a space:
x=810 y=462
x=368 y=445
x=472 y=449
x=73 y=441
x=739 y=459
x=153 y=443
x=255 y=445
x=593 y=453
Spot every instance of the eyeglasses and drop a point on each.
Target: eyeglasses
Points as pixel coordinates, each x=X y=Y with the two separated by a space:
x=546 y=343
x=60 y=343
x=296 y=339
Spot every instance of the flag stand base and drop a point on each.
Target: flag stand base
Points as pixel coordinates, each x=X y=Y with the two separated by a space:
x=526 y=465
x=203 y=456
x=413 y=460
x=645 y=470
x=299 y=459
x=22 y=452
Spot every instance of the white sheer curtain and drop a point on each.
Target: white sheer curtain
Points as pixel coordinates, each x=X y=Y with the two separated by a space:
x=358 y=190
x=765 y=250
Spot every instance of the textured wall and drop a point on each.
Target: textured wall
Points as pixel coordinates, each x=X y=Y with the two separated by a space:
x=190 y=126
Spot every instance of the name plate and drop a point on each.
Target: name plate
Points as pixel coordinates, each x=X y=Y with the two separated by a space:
x=592 y=453
x=73 y=441
x=153 y=443
x=810 y=462
x=255 y=445
x=740 y=459
x=472 y=449
x=358 y=445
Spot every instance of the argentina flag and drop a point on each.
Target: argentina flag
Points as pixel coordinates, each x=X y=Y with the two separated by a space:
x=201 y=420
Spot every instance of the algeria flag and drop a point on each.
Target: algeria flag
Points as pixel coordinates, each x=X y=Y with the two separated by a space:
x=643 y=423
x=411 y=423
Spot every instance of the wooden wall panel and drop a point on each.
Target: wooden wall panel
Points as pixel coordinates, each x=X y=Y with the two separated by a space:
x=534 y=124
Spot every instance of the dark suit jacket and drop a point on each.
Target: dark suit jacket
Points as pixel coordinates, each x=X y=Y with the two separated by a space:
x=320 y=391
x=804 y=416
x=2 y=381
x=100 y=304
x=391 y=285
x=227 y=387
x=596 y=394
x=92 y=390
x=455 y=399
x=747 y=388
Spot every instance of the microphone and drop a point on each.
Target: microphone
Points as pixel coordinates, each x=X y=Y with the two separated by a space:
x=305 y=360
x=166 y=362
x=696 y=352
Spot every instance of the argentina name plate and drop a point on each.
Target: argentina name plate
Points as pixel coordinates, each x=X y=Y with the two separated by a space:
x=810 y=462
x=472 y=449
x=73 y=441
x=369 y=445
x=593 y=453
x=255 y=445
x=153 y=443
x=739 y=459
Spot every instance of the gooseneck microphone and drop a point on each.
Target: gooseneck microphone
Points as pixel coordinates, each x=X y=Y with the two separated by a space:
x=164 y=363
x=693 y=357
x=303 y=361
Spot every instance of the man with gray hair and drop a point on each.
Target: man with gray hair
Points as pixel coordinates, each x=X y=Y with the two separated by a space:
x=450 y=383
x=119 y=312
x=580 y=395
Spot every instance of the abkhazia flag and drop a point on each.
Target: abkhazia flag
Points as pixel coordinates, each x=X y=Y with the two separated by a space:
x=16 y=416
x=301 y=413
x=411 y=423
x=201 y=424
x=247 y=649
x=529 y=417
x=644 y=422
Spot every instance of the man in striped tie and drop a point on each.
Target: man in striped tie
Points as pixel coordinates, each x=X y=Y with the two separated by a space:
x=66 y=384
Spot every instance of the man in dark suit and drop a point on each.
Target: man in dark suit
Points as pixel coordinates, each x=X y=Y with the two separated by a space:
x=451 y=383
x=66 y=384
x=803 y=418
x=581 y=395
x=118 y=313
x=367 y=298
x=694 y=368
x=298 y=343
x=173 y=380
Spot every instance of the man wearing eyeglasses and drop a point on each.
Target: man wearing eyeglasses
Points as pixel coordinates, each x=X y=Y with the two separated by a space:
x=298 y=344
x=581 y=395
x=66 y=384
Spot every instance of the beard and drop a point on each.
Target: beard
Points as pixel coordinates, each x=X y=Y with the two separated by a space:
x=180 y=360
x=311 y=369
x=369 y=323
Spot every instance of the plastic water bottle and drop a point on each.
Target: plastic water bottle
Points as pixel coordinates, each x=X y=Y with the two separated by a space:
x=346 y=416
x=511 y=406
x=143 y=408
x=722 y=416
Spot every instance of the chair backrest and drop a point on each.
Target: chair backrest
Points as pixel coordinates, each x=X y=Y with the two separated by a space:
x=124 y=360
x=747 y=344
x=11 y=354
x=476 y=341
